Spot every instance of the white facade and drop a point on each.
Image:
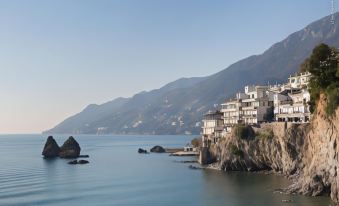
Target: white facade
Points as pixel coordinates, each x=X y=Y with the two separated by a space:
x=300 y=80
x=294 y=107
x=291 y=104
x=250 y=107
x=257 y=104
x=213 y=126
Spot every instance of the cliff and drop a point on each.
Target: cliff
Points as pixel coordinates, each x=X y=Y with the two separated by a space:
x=306 y=152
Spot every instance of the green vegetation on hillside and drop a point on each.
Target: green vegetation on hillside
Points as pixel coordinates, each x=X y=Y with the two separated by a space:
x=324 y=67
x=236 y=151
x=244 y=132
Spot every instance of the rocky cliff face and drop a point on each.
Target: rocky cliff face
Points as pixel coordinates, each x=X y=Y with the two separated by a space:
x=320 y=172
x=307 y=152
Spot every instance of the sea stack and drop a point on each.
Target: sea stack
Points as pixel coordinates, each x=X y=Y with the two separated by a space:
x=51 y=148
x=70 y=149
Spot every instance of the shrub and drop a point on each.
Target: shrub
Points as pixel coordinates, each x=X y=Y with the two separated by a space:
x=196 y=142
x=236 y=151
x=244 y=132
x=332 y=93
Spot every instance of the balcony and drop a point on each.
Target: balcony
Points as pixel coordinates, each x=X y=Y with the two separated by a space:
x=285 y=102
x=249 y=115
x=249 y=108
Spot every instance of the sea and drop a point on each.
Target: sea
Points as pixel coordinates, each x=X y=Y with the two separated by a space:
x=118 y=175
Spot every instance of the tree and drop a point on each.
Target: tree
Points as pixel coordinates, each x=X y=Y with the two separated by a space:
x=324 y=67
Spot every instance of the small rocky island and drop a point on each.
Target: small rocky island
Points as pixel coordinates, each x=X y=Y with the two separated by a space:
x=69 y=150
x=158 y=149
x=142 y=151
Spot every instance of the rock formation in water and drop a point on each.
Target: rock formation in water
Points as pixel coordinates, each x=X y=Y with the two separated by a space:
x=51 y=148
x=73 y=162
x=142 y=151
x=70 y=149
x=158 y=149
x=81 y=162
x=306 y=152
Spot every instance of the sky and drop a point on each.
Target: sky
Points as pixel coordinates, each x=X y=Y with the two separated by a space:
x=56 y=57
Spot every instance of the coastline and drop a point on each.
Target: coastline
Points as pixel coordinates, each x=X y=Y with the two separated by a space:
x=295 y=151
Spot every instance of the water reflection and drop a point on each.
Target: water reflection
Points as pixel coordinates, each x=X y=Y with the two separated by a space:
x=243 y=188
x=118 y=175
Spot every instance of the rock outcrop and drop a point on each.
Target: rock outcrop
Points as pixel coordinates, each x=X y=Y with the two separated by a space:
x=51 y=148
x=319 y=174
x=70 y=149
x=306 y=152
x=81 y=162
x=142 y=151
x=73 y=162
x=158 y=149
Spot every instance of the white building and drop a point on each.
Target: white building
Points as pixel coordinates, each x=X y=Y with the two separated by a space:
x=257 y=104
x=299 y=80
x=256 y=107
x=253 y=106
x=231 y=113
x=292 y=107
x=213 y=126
x=291 y=103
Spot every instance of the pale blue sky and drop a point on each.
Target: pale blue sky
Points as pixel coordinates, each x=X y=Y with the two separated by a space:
x=56 y=57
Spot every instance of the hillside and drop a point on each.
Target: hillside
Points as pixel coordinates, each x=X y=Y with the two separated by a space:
x=177 y=108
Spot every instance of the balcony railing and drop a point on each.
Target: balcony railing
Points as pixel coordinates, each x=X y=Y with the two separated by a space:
x=290 y=102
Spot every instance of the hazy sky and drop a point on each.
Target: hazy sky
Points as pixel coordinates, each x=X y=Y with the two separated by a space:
x=56 y=57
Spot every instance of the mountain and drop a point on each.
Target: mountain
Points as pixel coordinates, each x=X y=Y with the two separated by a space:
x=177 y=108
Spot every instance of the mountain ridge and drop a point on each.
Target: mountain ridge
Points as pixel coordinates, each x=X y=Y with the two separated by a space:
x=177 y=107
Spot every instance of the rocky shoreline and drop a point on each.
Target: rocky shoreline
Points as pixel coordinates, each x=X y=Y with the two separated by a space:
x=307 y=154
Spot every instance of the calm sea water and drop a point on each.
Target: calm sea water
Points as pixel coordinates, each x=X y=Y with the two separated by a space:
x=118 y=175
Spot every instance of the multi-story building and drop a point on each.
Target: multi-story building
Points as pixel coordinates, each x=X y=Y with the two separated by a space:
x=292 y=106
x=231 y=111
x=253 y=106
x=291 y=103
x=299 y=80
x=213 y=126
x=257 y=104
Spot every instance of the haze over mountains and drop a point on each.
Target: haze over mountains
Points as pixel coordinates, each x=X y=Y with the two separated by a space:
x=177 y=107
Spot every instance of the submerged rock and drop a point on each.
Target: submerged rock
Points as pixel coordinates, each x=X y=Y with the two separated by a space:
x=83 y=162
x=70 y=149
x=51 y=148
x=192 y=167
x=158 y=149
x=73 y=162
x=142 y=151
x=84 y=156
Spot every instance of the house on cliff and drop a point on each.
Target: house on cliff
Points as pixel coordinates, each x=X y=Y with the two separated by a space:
x=291 y=101
x=257 y=104
x=213 y=126
x=253 y=106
